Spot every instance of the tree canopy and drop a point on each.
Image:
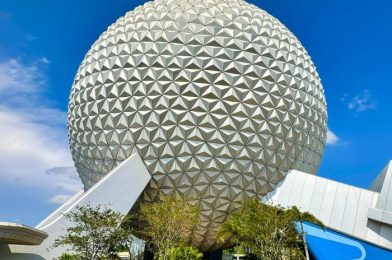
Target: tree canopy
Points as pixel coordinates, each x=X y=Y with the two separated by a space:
x=168 y=225
x=97 y=233
x=268 y=231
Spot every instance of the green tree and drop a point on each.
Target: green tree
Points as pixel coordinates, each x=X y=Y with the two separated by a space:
x=65 y=256
x=300 y=217
x=168 y=225
x=97 y=233
x=268 y=231
x=184 y=252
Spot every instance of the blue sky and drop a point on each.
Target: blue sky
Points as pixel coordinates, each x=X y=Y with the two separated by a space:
x=42 y=43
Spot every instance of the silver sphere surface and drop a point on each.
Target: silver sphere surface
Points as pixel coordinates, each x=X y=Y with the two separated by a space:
x=218 y=98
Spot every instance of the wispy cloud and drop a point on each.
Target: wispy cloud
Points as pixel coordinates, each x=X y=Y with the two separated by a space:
x=362 y=102
x=68 y=178
x=33 y=144
x=17 y=78
x=332 y=138
x=60 y=199
x=44 y=60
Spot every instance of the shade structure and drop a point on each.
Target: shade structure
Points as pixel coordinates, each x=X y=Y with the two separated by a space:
x=327 y=244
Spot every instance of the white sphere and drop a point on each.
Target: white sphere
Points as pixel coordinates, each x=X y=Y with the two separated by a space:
x=218 y=98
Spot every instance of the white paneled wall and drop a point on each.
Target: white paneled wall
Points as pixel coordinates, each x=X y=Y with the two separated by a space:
x=339 y=206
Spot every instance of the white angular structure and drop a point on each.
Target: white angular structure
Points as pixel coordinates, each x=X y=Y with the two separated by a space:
x=217 y=97
x=363 y=214
x=119 y=190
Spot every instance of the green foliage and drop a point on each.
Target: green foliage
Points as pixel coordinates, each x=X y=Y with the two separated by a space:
x=167 y=225
x=268 y=231
x=184 y=252
x=234 y=250
x=295 y=214
x=65 y=256
x=97 y=233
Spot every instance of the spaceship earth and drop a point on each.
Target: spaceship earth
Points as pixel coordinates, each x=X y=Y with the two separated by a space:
x=217 y=97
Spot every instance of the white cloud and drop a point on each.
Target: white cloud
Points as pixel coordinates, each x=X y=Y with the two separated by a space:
x=67 y=178
x=362 y=102
x=33 y=134
x=44 y=60
x=60 y=199
x=17 y=78
x=332 y=138
x=344 y=97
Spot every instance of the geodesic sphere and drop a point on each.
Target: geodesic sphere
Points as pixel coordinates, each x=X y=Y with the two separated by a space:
x=218 y=98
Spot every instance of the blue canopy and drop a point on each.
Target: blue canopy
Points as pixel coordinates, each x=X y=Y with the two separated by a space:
x=328 y=244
